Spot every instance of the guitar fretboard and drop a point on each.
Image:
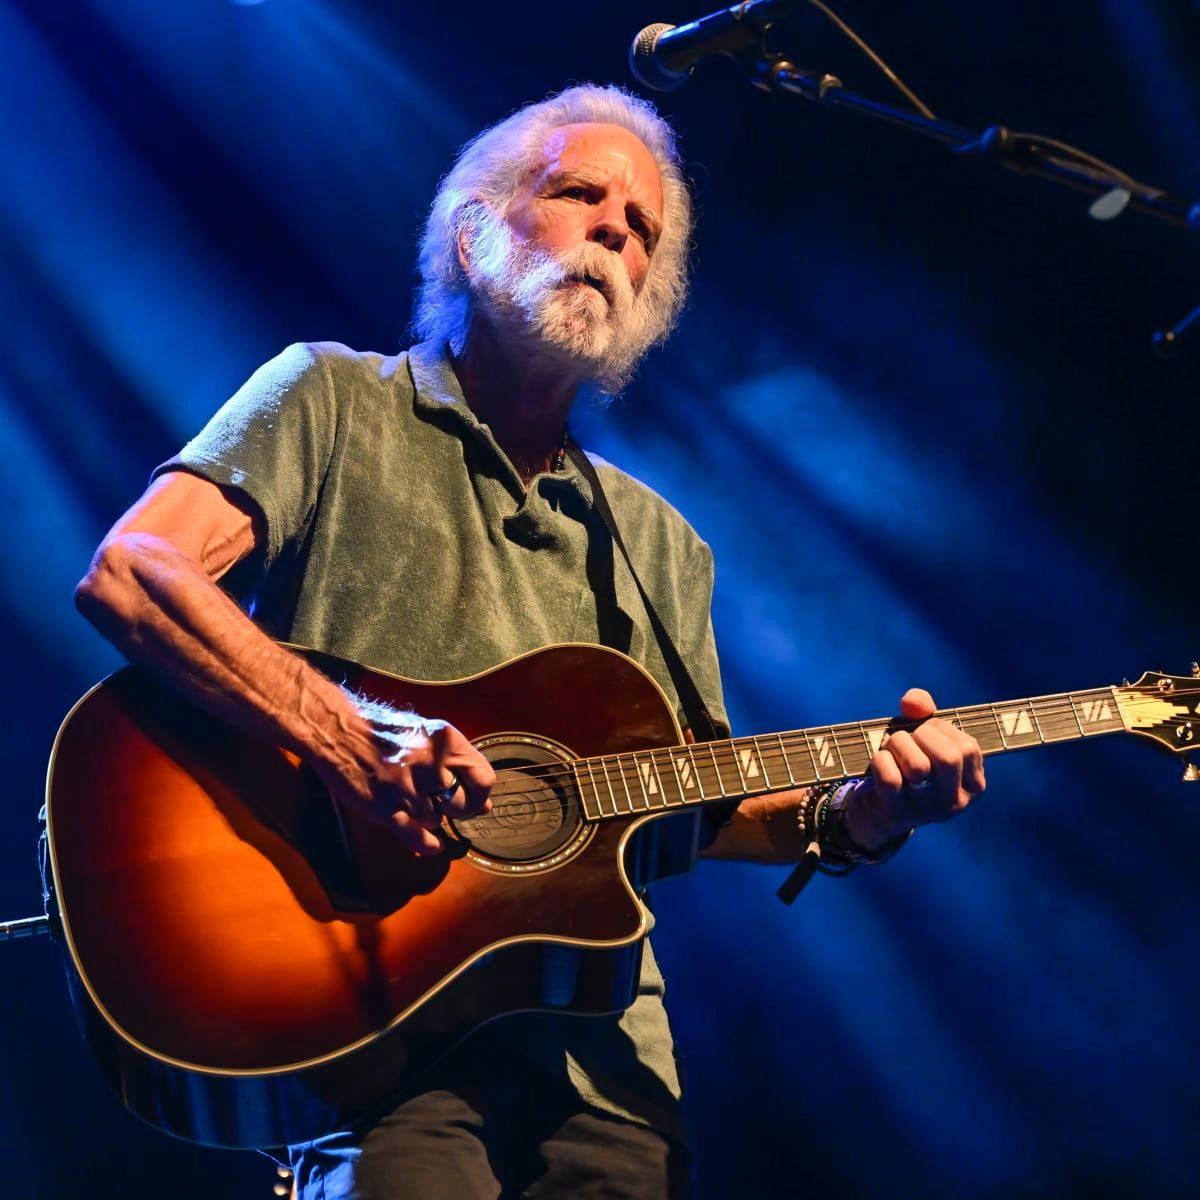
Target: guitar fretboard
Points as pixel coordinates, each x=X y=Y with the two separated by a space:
x=681 y=776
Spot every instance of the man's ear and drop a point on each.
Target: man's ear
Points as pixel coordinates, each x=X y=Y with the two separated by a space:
x=466 y=232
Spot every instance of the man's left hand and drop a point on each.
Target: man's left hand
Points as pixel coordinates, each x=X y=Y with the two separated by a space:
x=930 y=773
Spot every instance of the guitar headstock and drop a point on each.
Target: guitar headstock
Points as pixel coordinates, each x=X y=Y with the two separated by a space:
x=1167 y=709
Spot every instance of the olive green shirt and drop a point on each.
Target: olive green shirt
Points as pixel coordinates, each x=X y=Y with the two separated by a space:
x=398 y=534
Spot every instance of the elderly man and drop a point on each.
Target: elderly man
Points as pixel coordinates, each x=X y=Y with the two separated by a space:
x=420 y=513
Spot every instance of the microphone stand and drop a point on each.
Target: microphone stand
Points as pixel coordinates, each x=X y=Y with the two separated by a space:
x=1028 y=153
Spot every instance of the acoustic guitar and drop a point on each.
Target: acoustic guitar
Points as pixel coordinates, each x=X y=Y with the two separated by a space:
x=253 y=967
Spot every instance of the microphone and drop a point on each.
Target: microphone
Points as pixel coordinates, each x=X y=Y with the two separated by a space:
x=662 y=56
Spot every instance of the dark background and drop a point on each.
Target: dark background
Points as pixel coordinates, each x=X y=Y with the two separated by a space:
x=911 y=406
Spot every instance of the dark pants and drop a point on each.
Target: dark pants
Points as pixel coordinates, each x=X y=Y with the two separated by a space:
x=524 y=1135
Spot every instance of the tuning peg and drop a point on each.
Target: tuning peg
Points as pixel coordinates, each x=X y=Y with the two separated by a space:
x=1191 y=772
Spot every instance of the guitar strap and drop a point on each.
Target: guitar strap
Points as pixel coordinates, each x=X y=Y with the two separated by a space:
x=694 y=709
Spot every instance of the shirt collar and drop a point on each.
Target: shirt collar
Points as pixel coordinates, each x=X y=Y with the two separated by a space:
x=437 y=390
x=437 y=386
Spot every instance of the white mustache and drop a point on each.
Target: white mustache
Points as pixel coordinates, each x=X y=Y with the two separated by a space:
x=593 y=264
x=542 y=272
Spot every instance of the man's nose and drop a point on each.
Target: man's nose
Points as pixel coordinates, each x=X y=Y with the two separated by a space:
x=610 y=229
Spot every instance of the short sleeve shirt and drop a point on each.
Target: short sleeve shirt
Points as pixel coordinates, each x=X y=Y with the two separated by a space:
x=399 y=535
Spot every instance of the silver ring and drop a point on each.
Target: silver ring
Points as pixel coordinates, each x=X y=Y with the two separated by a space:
x=446 y=794
x=923 y=786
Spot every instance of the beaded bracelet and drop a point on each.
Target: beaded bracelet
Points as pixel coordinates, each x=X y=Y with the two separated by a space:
x=831 y=850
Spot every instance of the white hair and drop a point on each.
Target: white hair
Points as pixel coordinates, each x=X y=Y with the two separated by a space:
x=491 y=169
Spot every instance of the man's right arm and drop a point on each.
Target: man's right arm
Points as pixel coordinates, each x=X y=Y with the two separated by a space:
x=152 y=591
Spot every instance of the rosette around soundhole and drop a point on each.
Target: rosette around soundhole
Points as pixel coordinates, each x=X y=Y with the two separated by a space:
x=536 y=817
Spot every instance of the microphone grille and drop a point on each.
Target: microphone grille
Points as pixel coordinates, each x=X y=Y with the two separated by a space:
x=646 y=69
x=645 y=41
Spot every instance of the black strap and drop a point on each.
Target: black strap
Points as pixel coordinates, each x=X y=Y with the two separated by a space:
x=703 y=727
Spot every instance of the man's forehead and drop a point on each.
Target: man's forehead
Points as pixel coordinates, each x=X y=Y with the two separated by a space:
x=589 y=135
x=598 y=145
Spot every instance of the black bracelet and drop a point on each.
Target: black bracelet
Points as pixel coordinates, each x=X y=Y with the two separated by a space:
x=831 y=850
x=842 y=849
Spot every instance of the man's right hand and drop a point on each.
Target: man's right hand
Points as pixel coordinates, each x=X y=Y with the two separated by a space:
x=408 y=774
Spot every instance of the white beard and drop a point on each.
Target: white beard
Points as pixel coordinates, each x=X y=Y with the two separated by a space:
x=542 y=300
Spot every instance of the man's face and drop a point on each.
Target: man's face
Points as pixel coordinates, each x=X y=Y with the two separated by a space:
x=567 y=261
x=598 y=184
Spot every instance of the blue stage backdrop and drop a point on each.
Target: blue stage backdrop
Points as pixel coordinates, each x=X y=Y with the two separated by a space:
x=911 y=406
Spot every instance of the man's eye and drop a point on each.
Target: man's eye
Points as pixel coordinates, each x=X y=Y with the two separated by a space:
x=644 y=236
x=574 y=193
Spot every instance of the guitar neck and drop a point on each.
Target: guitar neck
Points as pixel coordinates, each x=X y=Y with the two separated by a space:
x=684 y=776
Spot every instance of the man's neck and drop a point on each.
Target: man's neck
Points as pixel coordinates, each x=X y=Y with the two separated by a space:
x=524 y=397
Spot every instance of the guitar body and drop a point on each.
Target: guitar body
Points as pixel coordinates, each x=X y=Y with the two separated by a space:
x=252 y=968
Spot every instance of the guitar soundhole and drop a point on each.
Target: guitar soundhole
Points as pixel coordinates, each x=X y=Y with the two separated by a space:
x=536 y=816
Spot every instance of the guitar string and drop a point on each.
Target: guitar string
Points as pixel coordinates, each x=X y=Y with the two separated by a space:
x=773 y=759
x=1050 y=719
x=843 y=738
x=1058 y=716
x=774 y=762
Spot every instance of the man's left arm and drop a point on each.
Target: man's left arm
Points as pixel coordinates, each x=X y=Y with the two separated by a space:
x=929 y=774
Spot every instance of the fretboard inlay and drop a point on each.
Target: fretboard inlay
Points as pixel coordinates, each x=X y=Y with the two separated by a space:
x=655 y=780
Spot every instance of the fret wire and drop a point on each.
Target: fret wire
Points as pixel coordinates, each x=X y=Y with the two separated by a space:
x=625 y=783
x=866 y=737
x=597 y=781
x=737 y=762
x=1075 y=713
x=812 y=757
x=619 y=767
x=856 y=732
x=999 y=727
x=974 y=718
x=834 y=738
x=608 y=784
x=691 y=753
x=662 y=791
x=678 y=780
x=587 y=762
x=976 y=715
x=787 y=766
x=717 y=768
x=1120 y=716
x=762 y=766
x=1036 y=719
x=642 y=780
